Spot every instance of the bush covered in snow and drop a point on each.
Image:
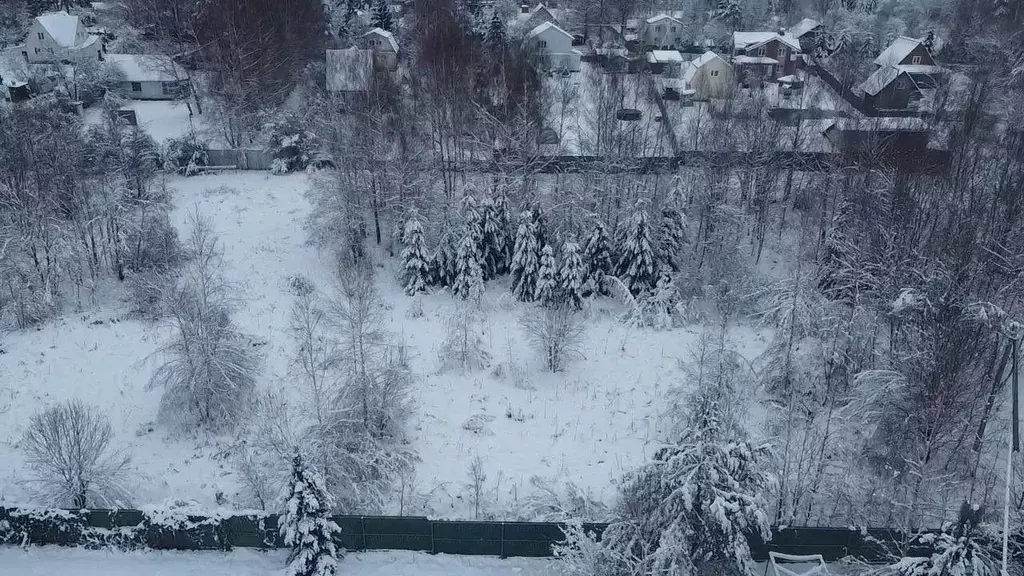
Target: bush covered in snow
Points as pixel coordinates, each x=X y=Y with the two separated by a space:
x=184 y=155
x=290 y=144
x=556 y=332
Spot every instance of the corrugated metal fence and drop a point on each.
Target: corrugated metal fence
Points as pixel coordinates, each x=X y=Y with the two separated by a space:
x=241 y=159
x=134 y=528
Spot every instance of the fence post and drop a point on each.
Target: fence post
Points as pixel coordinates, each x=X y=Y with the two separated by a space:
x=433 y=546
x=362 y=528
x=502 y=539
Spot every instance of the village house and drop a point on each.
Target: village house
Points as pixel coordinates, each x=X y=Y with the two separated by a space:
x=911 y=55
x=60 y=37
x=554 y=46
x=529 y=18
x=349 y=74
x=149 y=77
x=763 y=55
x=891 y=88
x=661 y=32
x=384 y=47
x=808 y=32
x=709 y=76
x=668 y=63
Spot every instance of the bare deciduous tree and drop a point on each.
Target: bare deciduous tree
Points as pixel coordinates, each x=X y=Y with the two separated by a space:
x=68 y=448
x=556 y=332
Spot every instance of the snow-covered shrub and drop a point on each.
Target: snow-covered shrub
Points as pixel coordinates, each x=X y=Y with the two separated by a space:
x=24 y=303
x=463 y=345
x=958 y=550
x=556 y=332
x=152 y=242
x=68 y=449
x=552 y=500
x=290 y=144
x=210 y=367
x=306 y=526
x=184 y=155
x=145 y=291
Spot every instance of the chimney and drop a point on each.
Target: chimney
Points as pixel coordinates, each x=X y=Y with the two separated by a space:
x=525 y=8
x=782 y=31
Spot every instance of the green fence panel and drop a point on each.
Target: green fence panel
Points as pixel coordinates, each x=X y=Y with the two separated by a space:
x=384 y=533
x=468 y=538
x=531 y=539
x=352 y=536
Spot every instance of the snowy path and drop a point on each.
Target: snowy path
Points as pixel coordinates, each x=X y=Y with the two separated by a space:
x=57 y=561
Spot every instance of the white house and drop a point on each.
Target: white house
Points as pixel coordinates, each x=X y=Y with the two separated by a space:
x=662 y=32
x=528 y=18
x=384 y=47
x=58 y=37
x=709 y=76
x=554 y=45
x=149 y=77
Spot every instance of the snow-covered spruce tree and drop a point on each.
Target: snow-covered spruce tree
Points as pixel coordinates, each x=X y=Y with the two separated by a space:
x=571 y=276
x=415 y=257
x=469 y=278
x=503 y=219
x=546 y=291
x=636 y=263
x=495 y=237
x=381 y=17
x=525 y=259
x=464 y=346
x=306 y=526
x=495 y=37
x=443 y=267
x=671 y=230
x=597 y=256
x=473 y=226
x=689 y=511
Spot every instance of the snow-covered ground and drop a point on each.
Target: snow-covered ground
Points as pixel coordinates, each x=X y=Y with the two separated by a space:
x=57 y=561
x=588 y=424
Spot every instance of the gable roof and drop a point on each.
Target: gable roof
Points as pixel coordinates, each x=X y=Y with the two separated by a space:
x=664 y=57
x=147 y=67
x=705 y=58
x=882 y=78
x=803 y=27
x=749 y=40
x=660 y=18
x=897 y=51
x=386 y=35
x=545 y=27
x=541 y=9
x=61 y=26
x=349 y=70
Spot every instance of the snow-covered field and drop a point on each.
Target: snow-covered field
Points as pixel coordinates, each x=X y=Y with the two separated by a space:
x=57 y=561
x=587 y=425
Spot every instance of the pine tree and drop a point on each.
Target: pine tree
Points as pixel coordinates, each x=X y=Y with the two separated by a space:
x=305 y=524
x=597 y=257
x=415 y=258
x=636 y=266
x=495 y=37
x=525 y=259
x=571 y=276
x=382 y=16
x=546 y=290
x=469 y=278
x=671 y=230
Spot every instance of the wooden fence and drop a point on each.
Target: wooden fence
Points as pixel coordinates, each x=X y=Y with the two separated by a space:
x=137 y=529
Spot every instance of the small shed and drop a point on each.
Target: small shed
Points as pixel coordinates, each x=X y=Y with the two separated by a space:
x=666 y=62
x=349 y=73
x=149 y=76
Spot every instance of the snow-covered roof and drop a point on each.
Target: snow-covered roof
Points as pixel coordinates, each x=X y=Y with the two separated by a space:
x=661 y=18
x=886 y=123
x=349 y=70
x=384 y=34
x=920 y=68
x=897 y=51
x=748 y=40
x=882 y=78
x=545 y=27
x=803 y=27
x=787 y=79
x=147 y=67
x=664 y=57
x=690 y=72
x=61 y=26
x=754 y=60
x=705 y=58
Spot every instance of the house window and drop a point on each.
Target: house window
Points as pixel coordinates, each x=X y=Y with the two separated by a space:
x=915 y=60
x=657 y=29
x=783 y=54
x=136 y=86
x=714 y=73
x=762 y=51
x=169 y=87
x=40 y=35
x=673 y=29
x=37 y=50
x=542 y=43
x=901 y=84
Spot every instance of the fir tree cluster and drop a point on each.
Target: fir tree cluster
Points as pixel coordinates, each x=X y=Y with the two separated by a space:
x=482 y=244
